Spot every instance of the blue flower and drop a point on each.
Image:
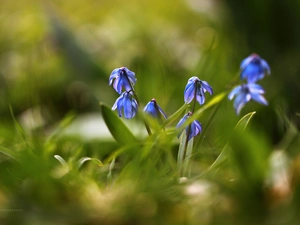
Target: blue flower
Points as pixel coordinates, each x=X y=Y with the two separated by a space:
x=244 y=93
x=196 y=88
x=153 y=109
x=127 y=104
x=254 y=68
x=194 y=129
x=122 y=77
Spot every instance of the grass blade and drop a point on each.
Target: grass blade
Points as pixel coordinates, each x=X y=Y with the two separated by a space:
x=85 y=159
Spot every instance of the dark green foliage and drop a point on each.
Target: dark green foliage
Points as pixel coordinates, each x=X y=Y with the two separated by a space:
x=65 y=159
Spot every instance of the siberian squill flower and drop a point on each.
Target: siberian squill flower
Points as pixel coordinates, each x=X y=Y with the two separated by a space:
x=194 y=129
x=126 y=104
x=244 y=93
x=196 y=88
x=254 y=68
x=153 y=109
x=122 y=78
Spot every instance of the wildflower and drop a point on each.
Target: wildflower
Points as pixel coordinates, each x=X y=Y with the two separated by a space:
x=153 y=109
x=244 y=93
x=254 y=68
x=196 y=88
x=193 y=129
x=122 y=77
x=127 y=104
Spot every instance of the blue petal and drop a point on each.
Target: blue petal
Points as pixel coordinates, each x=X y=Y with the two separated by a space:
x=253 y=72
x=134 y=108
x=115 y=83
x=182 y=121
x=207 y=87
x=116 y=103
x=128 y=111
x=235 y=91
x=120 y=107
x=198 y=126
x=200 y=97
x=162 y=112
x=131 y=76
x=255 y=88
x=254 y=68
x=118 y=83
x=259 y=98
x=122 y=77
x=266 y=66
x=114 y=74
x=240 y=101
x=150 y=109
x=153 y=109
x=189 y=93
x=195 y=129
x=188 y=85
x=246 y=61
x=193 y=79
x=125 y=83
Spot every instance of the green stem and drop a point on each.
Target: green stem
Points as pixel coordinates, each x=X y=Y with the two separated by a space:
x=189 y=129
x=148 y=128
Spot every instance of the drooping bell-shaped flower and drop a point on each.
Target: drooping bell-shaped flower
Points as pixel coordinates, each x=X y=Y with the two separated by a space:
x=254 y=68
x=244 y=93
x=193 y=129
x=126 y=104
x=122 y=78
x=196 y=88
x=153 y=109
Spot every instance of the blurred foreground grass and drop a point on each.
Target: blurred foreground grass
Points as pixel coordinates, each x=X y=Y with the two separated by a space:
x=55 y=60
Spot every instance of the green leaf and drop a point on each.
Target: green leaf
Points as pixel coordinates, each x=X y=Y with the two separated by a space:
x=85 y=159
x=116 y=126
x=218 y=98
x=244 y=121
x=18 y=126
x=7 y=152
x=240 y=126
x=61 y=160
x=175 y=115
x=184 y=155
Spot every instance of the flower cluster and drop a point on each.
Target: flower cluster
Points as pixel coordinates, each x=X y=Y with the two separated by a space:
x=253 y=68
x=127 y=103
x=124 y=78
x=194 y=90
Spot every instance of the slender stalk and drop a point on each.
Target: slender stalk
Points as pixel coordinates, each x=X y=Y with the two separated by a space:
x=148 y=128
x=185 y=148
x=131 y=88
x=189 y=129
x=195 y=93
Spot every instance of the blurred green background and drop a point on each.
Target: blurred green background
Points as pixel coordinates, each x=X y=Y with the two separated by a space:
x=57 y=56
x=55 y=61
